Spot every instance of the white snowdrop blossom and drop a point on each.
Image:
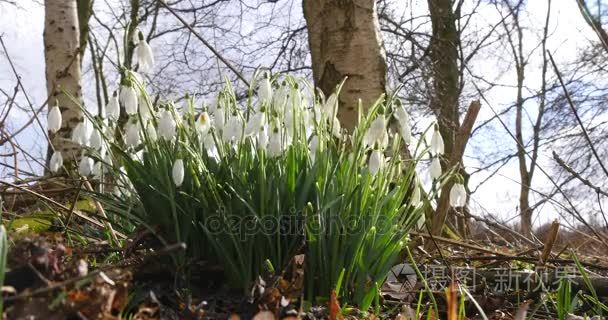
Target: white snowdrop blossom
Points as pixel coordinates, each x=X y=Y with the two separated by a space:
x=330 y=106
x=376 y=134
x=458 y=195
x=263 y=138
x=336 y=128
x=416 y=198
x=437 y=147
x=54 y=119
x=85 y=167
x=145 y=110
x=203 y=123
x=255 y=123
x=79 y=135
x=128 y=98
x=275 y=145
x=166 y=125
x=376 y=161
x=145 y=56
x=403 y=119
x=233 y=129
x=113 y=107
x=313 y=146
x=95 y=141
x=178 y=172
x=97 y=170
x=56 y=162
x=265 y=91
x=132 y=137
x=280 y=96
x=435 y=168
x=151 y=132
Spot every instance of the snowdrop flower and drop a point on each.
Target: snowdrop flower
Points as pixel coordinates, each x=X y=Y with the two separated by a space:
x=265 y=91
x=275 y=145
x=336 y=128
x=435 y=168
x=376 y=161
x=203 y=123
x=145 y=110
x=128 y=98
x=256 y=121
x=263 y=138
x=79 y=135
x=166 y=125
x=113 y=107
x=376 y=133
x=313 y=146
x=330 y=106
x=145 y=57
x=219 y=119
x=280 y=97
x=132 y=137
x=56 y=162
x=97 y=170
x=54 y=119
x=415 y=200
x=151 y=132
x=233 y=129
x=95 y=141
x=178 y=172
x=403 y=118
x=85 y=167
x=458 y=195
x=437 y=147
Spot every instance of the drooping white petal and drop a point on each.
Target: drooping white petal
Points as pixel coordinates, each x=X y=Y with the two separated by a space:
x=336 y=129
x=97 y=170
x=166 y=125
x=56 y=162
x=437 y=147
x=85 y=167
x=275 y=145
x=376 y=133
x=54 y=119
x=145 y=110
x=435 y=168
x=233 y=130
x=95 y=141
x=113 y=107
x=132 y=136
x=151 y=132
x=376 y=161
x=178 y=172
x=458 y=195
x=263 y=138
x=255 y=123
x=403 y=119
x=415 y=200
x=203 y=123
x=79 y=134
x=265 y=91
x=128 y=98
x=313 y=146
x=145 y=56
x=330 y=108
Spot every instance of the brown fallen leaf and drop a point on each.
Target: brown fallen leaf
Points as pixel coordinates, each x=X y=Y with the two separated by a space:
x=334 y=307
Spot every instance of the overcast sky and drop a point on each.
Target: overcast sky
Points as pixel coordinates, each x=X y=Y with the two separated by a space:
x=22 y=28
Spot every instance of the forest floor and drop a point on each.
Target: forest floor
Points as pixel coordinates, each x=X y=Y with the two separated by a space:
x=59 y=272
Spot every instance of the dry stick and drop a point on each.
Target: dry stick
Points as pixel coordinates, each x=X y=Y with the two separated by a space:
x=525 y=259
x=458 y=243
x=460 y=144
x=578 y=119
x=101 y=211
x=550 y=241
x=207 y=44
x=62 y=207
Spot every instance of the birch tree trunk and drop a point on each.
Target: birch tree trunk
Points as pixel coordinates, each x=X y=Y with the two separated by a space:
x=62 y=57
x=345 y=41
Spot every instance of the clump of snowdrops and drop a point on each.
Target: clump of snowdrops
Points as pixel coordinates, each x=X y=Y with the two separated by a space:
x=251 y=183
